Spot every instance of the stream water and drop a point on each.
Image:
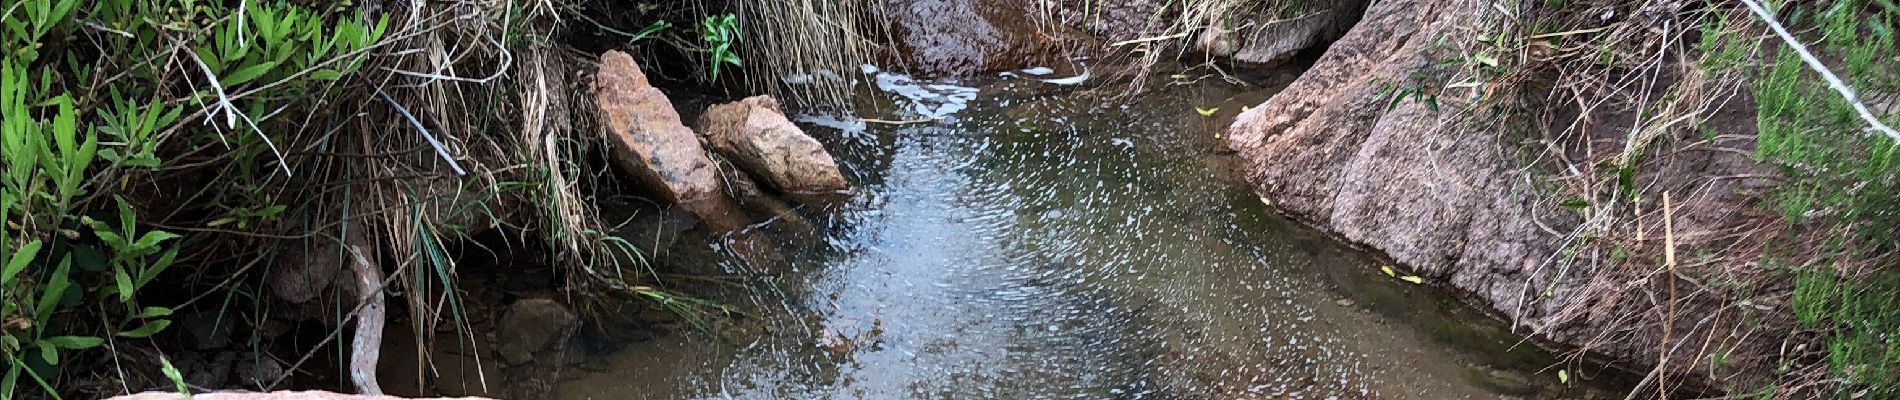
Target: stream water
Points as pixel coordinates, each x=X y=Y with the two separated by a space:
x=1043 y=239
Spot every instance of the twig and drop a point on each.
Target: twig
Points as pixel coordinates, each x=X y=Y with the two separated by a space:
x=1669 y=259
x=1815 y=64
x=439 y=151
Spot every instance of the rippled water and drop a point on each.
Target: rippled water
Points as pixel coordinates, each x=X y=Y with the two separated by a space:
x=1055 y=241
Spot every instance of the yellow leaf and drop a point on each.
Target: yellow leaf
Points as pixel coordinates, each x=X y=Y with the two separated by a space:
x=1207 y=112
x=1563 y=375
x=1246 y=108
x=1413 y=279
x=1264 y=200
x=1384 y=268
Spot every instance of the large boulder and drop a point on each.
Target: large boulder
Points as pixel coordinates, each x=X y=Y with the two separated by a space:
x=755 y=135
x=645 y=135
x=1457 y=191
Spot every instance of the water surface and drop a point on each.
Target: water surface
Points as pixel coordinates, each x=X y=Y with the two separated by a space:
x=1040 y=240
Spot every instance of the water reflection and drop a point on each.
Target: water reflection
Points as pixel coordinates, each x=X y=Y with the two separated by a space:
x=1044 y=241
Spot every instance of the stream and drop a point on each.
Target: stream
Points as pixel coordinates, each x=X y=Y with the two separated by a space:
x=1025 y=236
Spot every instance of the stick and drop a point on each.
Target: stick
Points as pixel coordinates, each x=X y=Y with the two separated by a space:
x=1815 y=64
x=366 y=348
x=425 y=132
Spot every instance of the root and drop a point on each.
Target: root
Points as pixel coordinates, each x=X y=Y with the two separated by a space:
x=366 y=348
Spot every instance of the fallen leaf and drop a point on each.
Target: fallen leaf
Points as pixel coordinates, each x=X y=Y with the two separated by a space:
x=1264 y=200
x=1207 y=112
x=1385 y=268
x=1413 y=279
x=1563 y=376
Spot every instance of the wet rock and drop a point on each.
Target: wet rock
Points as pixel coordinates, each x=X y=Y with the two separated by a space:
x=532 y=327
x=755 y=135
x=645 y=135
x=1276 y=33
x=954 y=37
x=1455 y=198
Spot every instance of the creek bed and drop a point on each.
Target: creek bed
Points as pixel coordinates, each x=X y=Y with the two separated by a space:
x=1045 y=240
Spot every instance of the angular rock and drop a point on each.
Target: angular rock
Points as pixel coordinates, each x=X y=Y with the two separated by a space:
x=645 y=135
x=532 y=327
x=755 y=135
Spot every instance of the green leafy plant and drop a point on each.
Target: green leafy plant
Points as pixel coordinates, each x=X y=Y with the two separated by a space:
x=720 y=33
x=86 y=94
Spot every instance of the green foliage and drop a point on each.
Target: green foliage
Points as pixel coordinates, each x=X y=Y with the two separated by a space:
x=91 y=89
x=720 y=32
x=1857 y=316
x=1843 y=177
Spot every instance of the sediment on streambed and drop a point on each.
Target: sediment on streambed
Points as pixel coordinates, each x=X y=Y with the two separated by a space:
x=204 y=196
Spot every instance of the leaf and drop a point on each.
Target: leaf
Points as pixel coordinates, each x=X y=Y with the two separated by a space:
x=55 y=289
x=246 y=74
x=49 y=353
x=1414 y=279
x=150 y=312
x=147 y=330
x=1576 y=203
x=326 y=75
x=1563 y=375
x=73 y=342
x=1388 y=270
x=124 y=282
x=1486 y=59
x=178 y=379
x=152 y=239
x=90 y=259
x=1207 y=112
x=19 y=261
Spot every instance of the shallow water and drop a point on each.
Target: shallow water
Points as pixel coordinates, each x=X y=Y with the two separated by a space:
x=1056 y=241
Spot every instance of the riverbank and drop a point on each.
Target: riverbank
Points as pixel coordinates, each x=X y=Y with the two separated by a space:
x=239 y=195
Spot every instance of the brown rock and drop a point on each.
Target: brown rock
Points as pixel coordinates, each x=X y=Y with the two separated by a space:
x=1454 y=198
x=646 y=137
x=302 y=273
x=535 y=327
x=756 y=136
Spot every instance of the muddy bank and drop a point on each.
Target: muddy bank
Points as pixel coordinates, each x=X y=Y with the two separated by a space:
x=1481 y=205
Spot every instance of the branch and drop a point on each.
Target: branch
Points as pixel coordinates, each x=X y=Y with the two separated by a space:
x=1815 y=64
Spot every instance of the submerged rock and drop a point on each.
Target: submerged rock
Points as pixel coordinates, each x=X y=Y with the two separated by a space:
x=755 y=135
x=645 y=135
x=533 y=328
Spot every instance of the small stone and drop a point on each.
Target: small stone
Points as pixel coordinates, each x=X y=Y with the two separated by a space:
x=1344 y=302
